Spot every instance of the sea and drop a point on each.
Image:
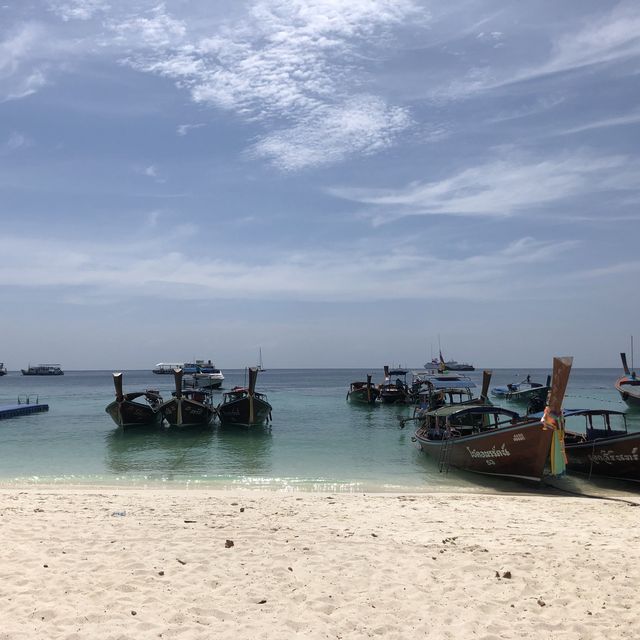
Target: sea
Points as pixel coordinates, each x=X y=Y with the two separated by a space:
x=316 y=441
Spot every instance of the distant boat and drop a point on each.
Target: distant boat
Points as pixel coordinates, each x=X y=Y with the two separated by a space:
x=188 y=407
x=204 y=380
x=392 y=392
x=260 y=367
x=43 y=370
x=244 y=406
x=127 y=413
x=449 y=365
x=628 y=385
x=363 y=392
x=432 y=391
x=3 y=369
x=166 y=368
x=523 y=391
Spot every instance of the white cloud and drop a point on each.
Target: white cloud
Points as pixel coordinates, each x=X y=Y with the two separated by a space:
x=16 y=140
x=619 y=121
x=155 y=30
x=612 y=37
x=77 y=9
x=150 y=171
x=362 y=125
x=20 y=76
x=183 y=129
x=154 y=268
x=293 y=63
x=502 y=187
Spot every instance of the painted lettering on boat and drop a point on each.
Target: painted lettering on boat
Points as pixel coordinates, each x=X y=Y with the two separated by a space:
x=488 y=454
x=609 y=457
x=518 y=437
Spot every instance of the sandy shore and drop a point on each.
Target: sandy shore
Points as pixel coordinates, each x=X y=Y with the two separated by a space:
x=103 y=563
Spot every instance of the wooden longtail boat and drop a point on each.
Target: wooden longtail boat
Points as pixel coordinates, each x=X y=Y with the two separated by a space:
x=244 y=406
x=523 y=391
x=128 y=413
x=492 y=440
x=394 y=392
x=602 y=450
x=188 y=407
x=628 y=385
x=449 y=389
x=363 y=392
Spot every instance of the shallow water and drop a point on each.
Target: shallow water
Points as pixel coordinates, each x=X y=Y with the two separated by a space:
x=317 y=441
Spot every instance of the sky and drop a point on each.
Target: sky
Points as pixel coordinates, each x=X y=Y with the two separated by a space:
x=339 y=184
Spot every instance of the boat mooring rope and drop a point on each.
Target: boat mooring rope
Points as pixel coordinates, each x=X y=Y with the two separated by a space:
x=580 y=494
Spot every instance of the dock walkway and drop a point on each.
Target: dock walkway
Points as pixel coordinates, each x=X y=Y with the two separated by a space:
x=15 y=410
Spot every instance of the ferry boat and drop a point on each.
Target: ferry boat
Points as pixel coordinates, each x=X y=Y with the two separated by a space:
x=43 y=370
x=3 y=369
x=167 y=368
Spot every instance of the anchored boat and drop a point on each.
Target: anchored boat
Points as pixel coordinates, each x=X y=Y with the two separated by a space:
x=43 y=370
x=363 y=392
x=244 y=406
x=628 y=385
x=188 y=407
x=496 y=441
x=127 y=411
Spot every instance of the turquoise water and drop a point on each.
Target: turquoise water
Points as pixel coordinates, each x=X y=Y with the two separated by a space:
x=317 y=441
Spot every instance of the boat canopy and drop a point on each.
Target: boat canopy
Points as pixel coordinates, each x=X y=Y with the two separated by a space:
x=472 y=409
x=448 y=384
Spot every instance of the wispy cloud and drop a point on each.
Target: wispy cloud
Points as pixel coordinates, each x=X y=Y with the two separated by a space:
x=15 y=141
x=78 y=9
x=150 y=171
x=605 y=123
x=289 y=63
x=183 y=129
x=151 y=267
x=502 y=187
x=20 y=76
x=600 y=39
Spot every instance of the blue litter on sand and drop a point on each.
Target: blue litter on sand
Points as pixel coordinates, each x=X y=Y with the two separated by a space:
x=16 y=410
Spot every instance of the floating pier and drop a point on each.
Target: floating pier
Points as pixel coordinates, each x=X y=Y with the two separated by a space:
x=20 y=409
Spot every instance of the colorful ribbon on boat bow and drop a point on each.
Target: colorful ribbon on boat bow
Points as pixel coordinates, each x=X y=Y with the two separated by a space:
x=557 y=455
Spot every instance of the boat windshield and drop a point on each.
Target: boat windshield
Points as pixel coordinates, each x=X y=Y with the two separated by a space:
x=596 y=423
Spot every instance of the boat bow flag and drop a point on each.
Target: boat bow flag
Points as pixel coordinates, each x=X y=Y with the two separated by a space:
x=552 y=417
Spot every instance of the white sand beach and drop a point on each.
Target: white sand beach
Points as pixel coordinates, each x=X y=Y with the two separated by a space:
x=149 y=563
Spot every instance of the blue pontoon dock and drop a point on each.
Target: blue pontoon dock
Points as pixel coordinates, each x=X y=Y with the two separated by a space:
x=16 y=410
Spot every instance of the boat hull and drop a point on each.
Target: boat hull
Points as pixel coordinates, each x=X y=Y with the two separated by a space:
x=363 y=396
x=616 y=457
x=238 y=412
x=207 y=380
x=629 y=390
x=130 y=415
x=513 y=452
x=26 y=372
x=392 y=394
x=182 y=412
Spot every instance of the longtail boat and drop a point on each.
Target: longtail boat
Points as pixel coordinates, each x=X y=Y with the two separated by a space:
x=439 y=390
x=128 y=413
x=363 y=392
x=523 y=391
x=394 y=392
x=496 y=441
x=244 y=406
x=604 y=447
x=188 y=407
x=628 y=385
